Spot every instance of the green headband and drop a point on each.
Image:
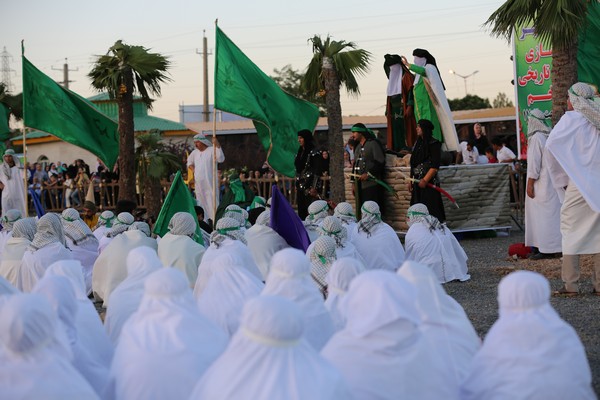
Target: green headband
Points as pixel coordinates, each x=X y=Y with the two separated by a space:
x=234 y=210
x=322 y=259
x=411 y=213
x=223 y=231
x=5 y=219
x=378 y=215
x=68 y=219
x=359 y=129
x=331 y=232
x=320 y=211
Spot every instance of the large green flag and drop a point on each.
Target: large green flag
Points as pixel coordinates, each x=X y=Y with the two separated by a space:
x=4 y=128
x=242 y=88
x=49 y=107
x=179 y=199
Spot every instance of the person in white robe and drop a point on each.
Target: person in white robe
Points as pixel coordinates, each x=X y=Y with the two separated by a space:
x=8 y=220
x=35 y=360
x=239 y=214
x=322 y=255
x=264 y=242
x=289 y=277
x=431 y=243
x=48 y=245
x=542 y=205
x=105 y=221
x=127 y=296
x=110 y=268
x=166 y=345
x=178 y=249
x=22 y=234
x=376 y=241
x=61 y=296
x=202 y=161
x=82 y=243
x=230 y=285
x=381 y=352
x=530 y=352
x=6 y=288
x=317 y=211
x=12 y=183
x=333 y=227
x=227 y=238
x=342 y=271
x=119 y=225
x=575 y=144
x=89 y=325
x=269 y=359
x=345 y=213
x=445 y=324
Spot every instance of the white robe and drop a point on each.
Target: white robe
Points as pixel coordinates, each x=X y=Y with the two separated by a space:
x=348 y=250
x=579 y=224
x=181 y=252
x=11 y=258
x=542 y=213
x=100 y=232
x=381 y=250
x=203 y=178
x=35 y=263
x=86 y=253
x=263 y=242
x=110 y=268
x=4 y=236
x=13 y=194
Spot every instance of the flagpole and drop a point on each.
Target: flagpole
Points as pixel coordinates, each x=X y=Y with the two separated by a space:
x=25 y=185
x=216 y=185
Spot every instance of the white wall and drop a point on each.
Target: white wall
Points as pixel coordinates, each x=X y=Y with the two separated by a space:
x=60 y=151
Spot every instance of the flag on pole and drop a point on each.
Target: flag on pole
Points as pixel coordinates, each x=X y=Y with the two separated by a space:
x=49 y=107
x=242 y=88
x=179 y=199
x=286 y=222
x=4 y=128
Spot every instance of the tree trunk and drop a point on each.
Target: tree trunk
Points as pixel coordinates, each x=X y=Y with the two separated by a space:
x=564 y=75
x=152 y=198
x=335 y=139
x=126 y=140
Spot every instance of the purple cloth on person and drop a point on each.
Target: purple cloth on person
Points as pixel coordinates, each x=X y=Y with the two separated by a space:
x=286 y=222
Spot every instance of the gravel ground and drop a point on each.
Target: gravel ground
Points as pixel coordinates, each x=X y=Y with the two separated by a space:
x=489 y=262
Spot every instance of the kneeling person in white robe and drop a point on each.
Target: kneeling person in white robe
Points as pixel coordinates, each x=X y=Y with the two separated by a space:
x=21 y=236
x=264 y=242
x=82 y=242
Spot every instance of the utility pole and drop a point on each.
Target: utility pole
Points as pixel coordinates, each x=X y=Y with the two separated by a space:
x=65 y=70
x=205 y=54
x=6 y=70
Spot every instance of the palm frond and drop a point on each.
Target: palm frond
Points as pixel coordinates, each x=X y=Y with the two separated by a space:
x=559 y=22
x=512 y=14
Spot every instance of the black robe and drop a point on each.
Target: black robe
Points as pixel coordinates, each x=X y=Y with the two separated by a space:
x=429 y=156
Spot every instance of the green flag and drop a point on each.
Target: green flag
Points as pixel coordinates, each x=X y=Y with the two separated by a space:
x=242 y=88
x=4 y=128
x=49 y=107
x=179 y=199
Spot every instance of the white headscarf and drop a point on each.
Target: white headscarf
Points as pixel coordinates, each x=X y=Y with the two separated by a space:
x=140 y=226
x=75 y=229
x=371 y=216
x=183 y=223
x=338 y=280
x=166 y=345
x=420 y=213
x=268 y=359
x=332 y=227
x=49 y=230
x=581 y=96
x=227 y=228
x=120 y=224
x=25 y=228
x=289 y=277
x=345 y=212
x=322 y=255
x=9 y=218
x=536 y=122
x=317 y=210
x=514 y=360
x=264 y=218
x=105 y=219
x=236 y=212
x=230 y=285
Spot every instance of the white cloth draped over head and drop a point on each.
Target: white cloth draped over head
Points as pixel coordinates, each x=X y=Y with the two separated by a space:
x=120 y=224
x=17 y=242
x=445 y=324
x=25 y=228
x=317 y=211
x=61 y=296
x=342 y=271
x=105 y=219
x=35 y=362
x=49 y=230
x=126 y=297
x=236 y=212
x=332 y=227
x=268 y=359
x=140 y=226
x=381 y=351
x=536 y=123
x=376 y=241
x=530 y=352
x=431 y=243
x=289 y=277
x=230 y=285
x=9 y=218
x=166 y=345
x=264 y=242
x=322 y=255
x=91 y=332
x=264 y=218
x=75 y=229
x=345 y=212
x=227 y=228
x=183 y=223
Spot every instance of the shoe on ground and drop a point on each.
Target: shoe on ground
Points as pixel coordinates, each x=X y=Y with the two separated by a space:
x=563 y=292
x=541 y=256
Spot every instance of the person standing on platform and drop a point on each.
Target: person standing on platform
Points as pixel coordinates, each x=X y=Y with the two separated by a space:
x=542 y=205
x=201 y=159
x=11 y=183
x=401 y=131
x=369 y=163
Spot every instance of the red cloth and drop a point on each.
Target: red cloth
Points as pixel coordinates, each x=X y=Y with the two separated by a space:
x=519 y=249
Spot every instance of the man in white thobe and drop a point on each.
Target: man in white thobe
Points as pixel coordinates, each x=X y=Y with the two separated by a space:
x=575 y=144
x=264 y=242
x=542 y=206
x=201 y=159
x=11 y=182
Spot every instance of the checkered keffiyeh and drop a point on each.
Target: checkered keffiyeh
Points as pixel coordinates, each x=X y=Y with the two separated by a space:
x=264 y=218
x=536 y=123
x=420 y=213
x=120 y=224
x=182 y=224
x=49 y=230
x=227 y=228
x=140 y=226
x=24 y=228
x=105 y=219
x=75 y=229
x=345 y=212
x=9 y=218
x=235 y=212
x=321 y=258
x=332 y=227
x=371 y=216
x=582 y=97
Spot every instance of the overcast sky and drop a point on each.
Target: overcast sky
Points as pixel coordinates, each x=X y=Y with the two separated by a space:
x=271 y=33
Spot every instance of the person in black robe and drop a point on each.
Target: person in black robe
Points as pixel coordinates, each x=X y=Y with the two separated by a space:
x=424 y=165
x=309 y=170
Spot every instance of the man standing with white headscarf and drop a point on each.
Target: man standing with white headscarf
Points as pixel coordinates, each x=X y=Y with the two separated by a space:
x=11 y=183
x=201 y=159
x=542 y=206
x=575 y=144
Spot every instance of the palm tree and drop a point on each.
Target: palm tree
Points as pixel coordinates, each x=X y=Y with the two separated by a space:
x=329 y=68
x=557 y=23
x=122 y=71
x=13 y=104
x=153 y=163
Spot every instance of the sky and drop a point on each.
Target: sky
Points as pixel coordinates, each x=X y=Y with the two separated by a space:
x=271 y=33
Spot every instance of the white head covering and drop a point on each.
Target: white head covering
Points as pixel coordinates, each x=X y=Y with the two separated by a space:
x=49 y=230
x=24 y=228
x=230 y=285
x=581 y=96
x=6 y=169
x=289 y=277
x=120 y=224
x=530 y=352
x=338 y=280
x=419 y=213
x=536 y=122
x=268 y=359
x=140 y=226
x=371 y=216
x=9 y=218
x=201 y=137
x=317 y=210
x=183 y=223
x=166 y=345
x=126 y=298
x=236 y=212
x=227 y=228
x=345 y=212
x=75 y=229
x=332 y=226
x=105 y=219
x=322 y=255
x=264 y=218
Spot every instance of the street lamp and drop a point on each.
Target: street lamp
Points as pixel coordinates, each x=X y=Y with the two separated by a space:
x=464 y=77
